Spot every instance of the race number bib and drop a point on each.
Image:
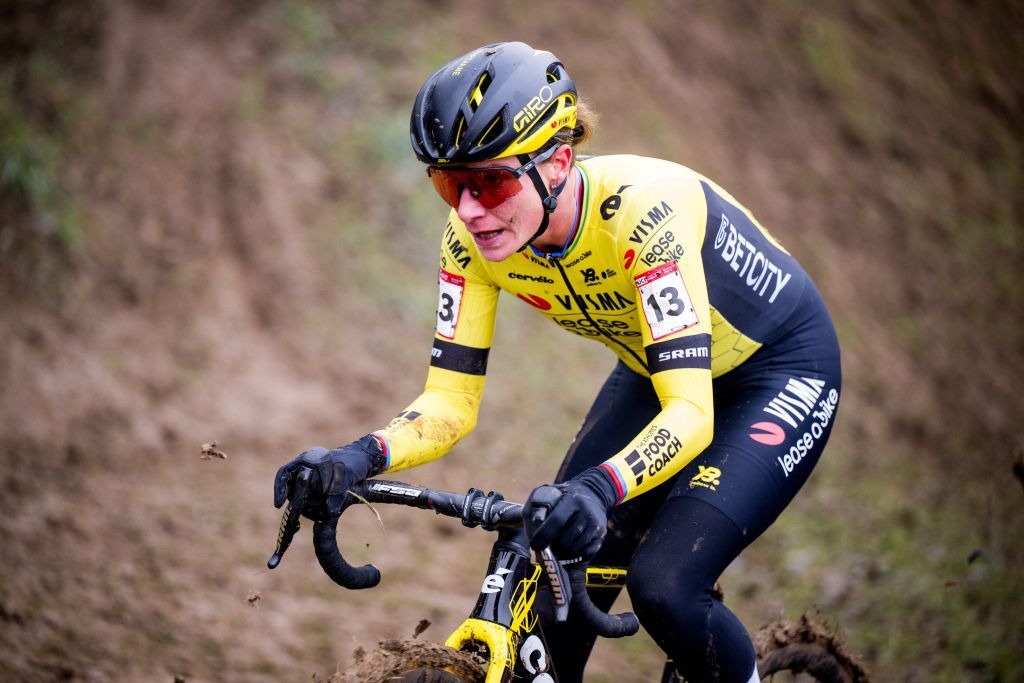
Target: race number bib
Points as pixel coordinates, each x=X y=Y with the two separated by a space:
x=449 y=298
x=665 y=300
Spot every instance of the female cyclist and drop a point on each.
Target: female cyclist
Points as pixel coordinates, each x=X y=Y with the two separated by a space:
x=728 y=372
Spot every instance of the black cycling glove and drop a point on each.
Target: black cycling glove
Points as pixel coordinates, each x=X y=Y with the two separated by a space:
x=576 y=516
x=334 y=473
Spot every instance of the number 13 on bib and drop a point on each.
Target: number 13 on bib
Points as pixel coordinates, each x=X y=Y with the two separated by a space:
x=665 y=300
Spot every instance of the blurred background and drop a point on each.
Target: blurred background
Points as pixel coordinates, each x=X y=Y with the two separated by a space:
x=212 y=228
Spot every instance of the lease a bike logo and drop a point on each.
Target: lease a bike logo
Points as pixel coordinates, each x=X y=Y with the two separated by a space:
x=536 y=301
x=791 y=406
x=768 y=433
x=707 y=478
x=822 y=417
x=627 y=258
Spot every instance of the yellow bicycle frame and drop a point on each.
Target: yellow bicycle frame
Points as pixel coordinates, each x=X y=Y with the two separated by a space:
x=503 y=641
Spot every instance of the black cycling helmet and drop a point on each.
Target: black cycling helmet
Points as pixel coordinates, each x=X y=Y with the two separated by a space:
x=500 y=100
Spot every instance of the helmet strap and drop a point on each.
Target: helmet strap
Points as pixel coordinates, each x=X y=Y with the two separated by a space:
x=549 y=200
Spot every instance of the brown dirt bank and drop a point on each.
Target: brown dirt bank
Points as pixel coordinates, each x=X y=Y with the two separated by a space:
x=241 y=180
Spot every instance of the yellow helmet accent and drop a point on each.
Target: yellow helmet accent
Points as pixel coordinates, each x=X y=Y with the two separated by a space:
x=558 y=115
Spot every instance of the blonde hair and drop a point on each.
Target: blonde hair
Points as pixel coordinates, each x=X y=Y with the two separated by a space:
x=586 y=124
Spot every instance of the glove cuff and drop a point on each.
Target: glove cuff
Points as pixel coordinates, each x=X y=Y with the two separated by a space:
x=375 y=447
x=598 y=481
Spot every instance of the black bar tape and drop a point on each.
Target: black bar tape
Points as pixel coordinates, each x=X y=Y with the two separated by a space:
x=459 y=358
x=686 y=352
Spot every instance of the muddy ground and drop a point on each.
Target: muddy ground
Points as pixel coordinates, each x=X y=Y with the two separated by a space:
x=211 y=228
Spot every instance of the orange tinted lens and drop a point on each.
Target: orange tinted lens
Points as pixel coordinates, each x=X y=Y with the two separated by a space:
x=495 y=186
x=446 y=186
x=490 y=186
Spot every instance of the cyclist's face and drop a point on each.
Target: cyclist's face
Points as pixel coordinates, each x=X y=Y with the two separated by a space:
x=501 y=229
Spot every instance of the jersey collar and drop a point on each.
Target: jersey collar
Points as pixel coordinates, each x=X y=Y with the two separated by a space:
x=577 y=223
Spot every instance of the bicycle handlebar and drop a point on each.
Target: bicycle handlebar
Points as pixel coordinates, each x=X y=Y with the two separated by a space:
x=473 y=508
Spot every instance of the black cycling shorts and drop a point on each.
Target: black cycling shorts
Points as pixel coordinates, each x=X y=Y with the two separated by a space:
x=773 y=416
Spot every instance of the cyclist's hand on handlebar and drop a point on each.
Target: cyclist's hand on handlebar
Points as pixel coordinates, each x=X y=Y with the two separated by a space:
x=334 y=473
x=572 y=517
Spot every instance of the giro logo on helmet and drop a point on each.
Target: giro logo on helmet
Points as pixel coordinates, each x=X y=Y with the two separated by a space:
x=533 y=108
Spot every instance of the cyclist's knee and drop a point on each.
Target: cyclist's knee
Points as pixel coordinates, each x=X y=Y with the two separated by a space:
x=659 y=593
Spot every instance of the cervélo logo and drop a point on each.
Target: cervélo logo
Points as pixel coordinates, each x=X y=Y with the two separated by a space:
x=532 y=278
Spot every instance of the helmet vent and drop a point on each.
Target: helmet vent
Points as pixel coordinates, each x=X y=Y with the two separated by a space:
x=477 y=96
x=555 y=72
x=493 y=131
x=460 y=130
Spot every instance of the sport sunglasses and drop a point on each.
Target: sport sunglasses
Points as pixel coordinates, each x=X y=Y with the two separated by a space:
x=490 y=185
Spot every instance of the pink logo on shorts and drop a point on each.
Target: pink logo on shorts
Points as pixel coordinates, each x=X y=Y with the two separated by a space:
x=768 y=433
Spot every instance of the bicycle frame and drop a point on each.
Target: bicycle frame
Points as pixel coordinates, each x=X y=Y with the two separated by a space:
x=504 y=617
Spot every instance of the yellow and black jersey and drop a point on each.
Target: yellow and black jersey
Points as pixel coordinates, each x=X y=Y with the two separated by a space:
x=664 y=268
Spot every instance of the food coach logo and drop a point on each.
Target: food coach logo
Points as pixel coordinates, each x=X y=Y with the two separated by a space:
x=533 y=108
x=657 y=449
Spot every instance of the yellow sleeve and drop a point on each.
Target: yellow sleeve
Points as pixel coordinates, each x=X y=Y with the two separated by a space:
x=447 y=409
x=675 y=323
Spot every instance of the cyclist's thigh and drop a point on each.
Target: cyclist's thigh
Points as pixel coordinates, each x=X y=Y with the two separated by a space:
x=771 y=424
x=625 y=405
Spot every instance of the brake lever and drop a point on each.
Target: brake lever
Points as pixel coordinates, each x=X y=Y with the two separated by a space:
x=290 y=516
x=558 y=579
